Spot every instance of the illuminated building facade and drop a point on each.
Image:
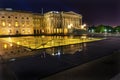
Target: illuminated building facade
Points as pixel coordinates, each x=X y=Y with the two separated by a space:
x=62 y=22
x=15 y=23
x=27 y=23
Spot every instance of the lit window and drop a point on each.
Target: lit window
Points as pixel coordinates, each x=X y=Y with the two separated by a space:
x=18 y=43
x=16 y=24
x=57 y=30
x=42 y=30
x=5 y=46
x=9 y=24
x=3 y=23
x=23 y=25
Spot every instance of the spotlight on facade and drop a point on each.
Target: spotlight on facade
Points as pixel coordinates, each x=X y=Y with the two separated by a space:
x=83 y=26
x=70 y=26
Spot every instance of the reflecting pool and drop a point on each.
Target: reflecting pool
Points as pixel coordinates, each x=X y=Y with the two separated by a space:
x=54 y=45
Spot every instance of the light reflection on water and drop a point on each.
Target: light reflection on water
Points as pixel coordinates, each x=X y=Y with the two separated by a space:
x=68 y=49
x=61 y=50
x=39 y=42
x=20 y=46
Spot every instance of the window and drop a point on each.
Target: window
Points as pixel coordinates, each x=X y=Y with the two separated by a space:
x=16 y=23
x=9 y=24
x=3 y=23
x=3 y=17
x=27 y=18
x=23 y=25
x=10 y=31
x=8 y=16
x=23 y=31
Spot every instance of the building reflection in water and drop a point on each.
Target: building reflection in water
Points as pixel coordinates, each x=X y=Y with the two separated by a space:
x=12 y=47
x=68 y=49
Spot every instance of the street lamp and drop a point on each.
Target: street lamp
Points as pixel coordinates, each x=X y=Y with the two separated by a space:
x=105 y=30
x=92 y=30
x=109 y=30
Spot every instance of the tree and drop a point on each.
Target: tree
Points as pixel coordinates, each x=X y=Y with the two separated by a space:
x=109 y=29
x=117 y=29
x=92 y=29
x=100 y=29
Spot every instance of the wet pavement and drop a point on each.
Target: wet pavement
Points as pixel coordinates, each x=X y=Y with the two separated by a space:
x=105 y=68
x=43 y=64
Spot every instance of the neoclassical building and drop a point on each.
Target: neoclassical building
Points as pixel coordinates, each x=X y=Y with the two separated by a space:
x=15 y=22
x=62 y=22
x=28 y=23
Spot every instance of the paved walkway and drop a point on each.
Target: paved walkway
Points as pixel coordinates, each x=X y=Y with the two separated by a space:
x=43 y=65
x=105 y=68
x=117 y=77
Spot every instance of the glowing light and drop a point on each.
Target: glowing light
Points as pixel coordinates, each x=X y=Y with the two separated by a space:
x=43 y=36
x=92 y=30
x=18 y=43
x=16 y=24
x=110 y=30
x=3 y=23
x=83 y=37
x=5 y=46
x=105 y=30
x=11 y=44
x=53 y=54
x=12 y=59
x=57 y=30
x=42 y=30
x=9 y=24
x=70 y=26
x=83 y=26
x=9 y=39
x=46 y=42
x=58 y=52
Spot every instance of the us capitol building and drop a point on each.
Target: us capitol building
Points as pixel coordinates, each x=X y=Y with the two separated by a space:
x=28 y=23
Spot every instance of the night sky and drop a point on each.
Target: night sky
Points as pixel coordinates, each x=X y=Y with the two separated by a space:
x=94 y=12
